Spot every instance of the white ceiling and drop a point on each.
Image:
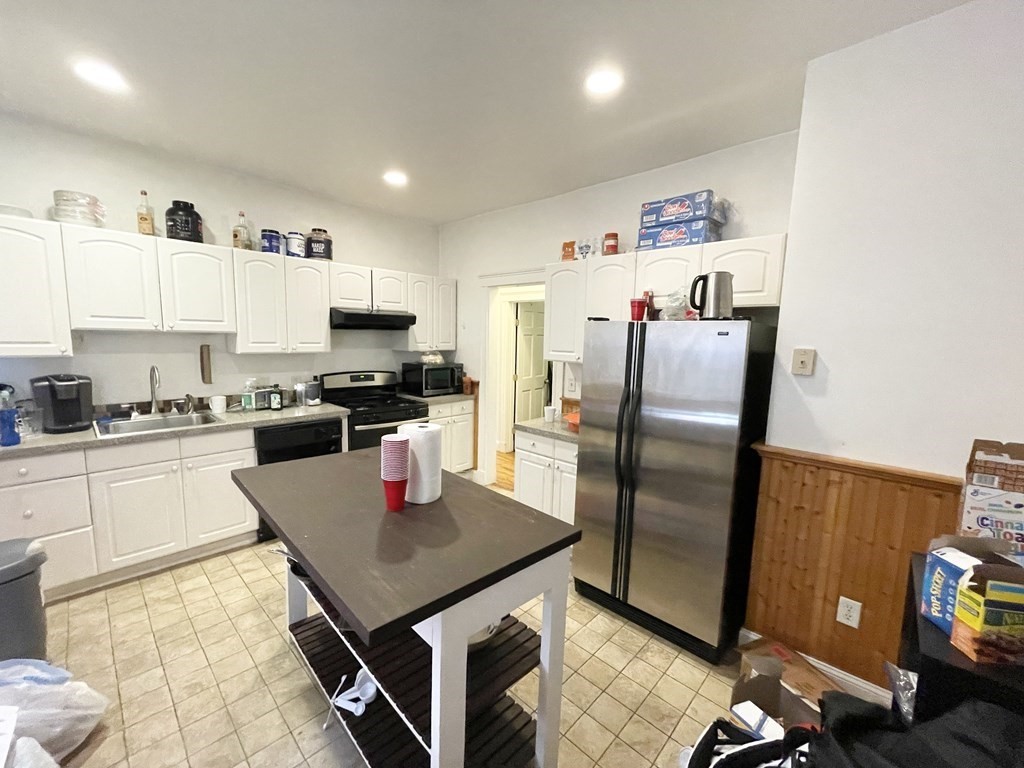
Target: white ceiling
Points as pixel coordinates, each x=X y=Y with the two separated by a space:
x=480 y=101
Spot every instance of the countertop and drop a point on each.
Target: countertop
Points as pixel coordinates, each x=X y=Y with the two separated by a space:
x=556 y=429
x=386 y=571
x=439 y=399
x=70 y=441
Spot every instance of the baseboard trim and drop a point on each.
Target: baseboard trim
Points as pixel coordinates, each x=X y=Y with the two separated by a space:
x=858 y=686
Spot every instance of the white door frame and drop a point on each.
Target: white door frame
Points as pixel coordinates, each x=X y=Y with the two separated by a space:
x=496 y=388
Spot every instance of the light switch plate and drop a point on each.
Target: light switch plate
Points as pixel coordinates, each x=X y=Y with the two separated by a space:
x=803 y=361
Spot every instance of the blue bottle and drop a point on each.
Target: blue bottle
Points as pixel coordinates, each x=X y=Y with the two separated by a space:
x=8 y=420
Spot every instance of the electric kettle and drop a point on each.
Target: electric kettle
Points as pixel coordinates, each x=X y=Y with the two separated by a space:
x=715 y=294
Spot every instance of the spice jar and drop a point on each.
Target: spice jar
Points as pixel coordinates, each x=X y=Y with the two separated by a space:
x=318 y=245
x=568 y=250
x=611 y=243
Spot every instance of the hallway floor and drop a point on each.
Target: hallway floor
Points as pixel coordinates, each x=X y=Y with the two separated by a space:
x=199 y=675
x=506 y=470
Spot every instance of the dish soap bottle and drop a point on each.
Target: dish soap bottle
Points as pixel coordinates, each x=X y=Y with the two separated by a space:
x=144 y=215
x=241 y=236
x=8 y=420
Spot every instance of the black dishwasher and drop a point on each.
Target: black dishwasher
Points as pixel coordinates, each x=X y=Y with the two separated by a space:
x=295 y=441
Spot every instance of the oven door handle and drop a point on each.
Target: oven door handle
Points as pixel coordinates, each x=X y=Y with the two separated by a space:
x=366 y=427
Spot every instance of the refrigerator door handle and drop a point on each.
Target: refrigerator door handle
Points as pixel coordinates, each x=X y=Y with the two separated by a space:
x=630 y=473
x=620 y=480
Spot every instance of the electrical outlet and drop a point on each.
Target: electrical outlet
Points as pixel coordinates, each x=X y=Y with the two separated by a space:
x=848 y=612
x=803 y=362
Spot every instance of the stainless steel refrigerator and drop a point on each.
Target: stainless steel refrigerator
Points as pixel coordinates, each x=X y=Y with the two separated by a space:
x=667 y=481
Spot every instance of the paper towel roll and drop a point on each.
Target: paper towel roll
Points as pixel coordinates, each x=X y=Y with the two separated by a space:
x=424 y=462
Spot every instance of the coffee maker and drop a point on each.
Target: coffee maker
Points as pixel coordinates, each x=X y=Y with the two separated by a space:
x=66 y=400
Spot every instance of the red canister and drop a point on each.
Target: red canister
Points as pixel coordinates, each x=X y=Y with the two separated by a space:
x=611 y=243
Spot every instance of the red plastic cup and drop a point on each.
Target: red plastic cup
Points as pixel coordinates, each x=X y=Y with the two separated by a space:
x=637 y=308
x=394 y=494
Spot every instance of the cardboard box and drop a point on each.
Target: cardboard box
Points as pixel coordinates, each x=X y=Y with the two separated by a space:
x=694 y=205
x=992 y=505
x=781 y=682
x=949 y=558
x=989 y=622
x=684 y=233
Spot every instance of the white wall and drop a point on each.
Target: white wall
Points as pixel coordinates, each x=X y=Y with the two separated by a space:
x=757 y=177
x=35 y=159
x=904 y=266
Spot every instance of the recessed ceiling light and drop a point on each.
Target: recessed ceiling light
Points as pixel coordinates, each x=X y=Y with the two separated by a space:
x=101 y=75
x=396 y=178
x=603 y=82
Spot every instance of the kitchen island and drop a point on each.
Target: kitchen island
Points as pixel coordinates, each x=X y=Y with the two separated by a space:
x=399 y=594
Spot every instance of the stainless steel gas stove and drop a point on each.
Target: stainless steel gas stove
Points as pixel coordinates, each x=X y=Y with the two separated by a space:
x=377 y=408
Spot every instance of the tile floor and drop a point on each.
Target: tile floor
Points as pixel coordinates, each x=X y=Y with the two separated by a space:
x=199 y=675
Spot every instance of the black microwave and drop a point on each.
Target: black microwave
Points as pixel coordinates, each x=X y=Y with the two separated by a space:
x=429 y=379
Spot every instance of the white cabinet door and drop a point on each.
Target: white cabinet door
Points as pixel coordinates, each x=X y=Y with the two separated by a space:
x=564 y=493
x=445 y=310
x=461 y=442
x=34 y=319
x=421 y=304
x=446 y=442
x=307 y=284
x=214 y=507
x=610 y=286
x=260 y=304
x=70 y=556
x=137 y=514
x=756 y=266
x=351 y=286
x=390 y=290
x=665 y=271
x=197 y=287
x=565 y=287
x=113 y=279
x=534 y=478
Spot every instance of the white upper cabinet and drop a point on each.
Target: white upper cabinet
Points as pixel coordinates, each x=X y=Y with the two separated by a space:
x=610 y=286
x=351 y=286
x=390 y=290
x=421 y=304
x=666 y=270
x=307 y=285
x=34 y=320
x=565 y=291
x=197 y=287
x=756 y=266
x=113 y=279
x=261 y=309
x=445 y=311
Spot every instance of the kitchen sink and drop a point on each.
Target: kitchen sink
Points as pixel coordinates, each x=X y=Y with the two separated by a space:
x=152 y=424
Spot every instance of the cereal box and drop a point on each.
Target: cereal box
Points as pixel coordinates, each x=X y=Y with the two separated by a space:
x=989 y=623
x=993 y=496
x=949 y=558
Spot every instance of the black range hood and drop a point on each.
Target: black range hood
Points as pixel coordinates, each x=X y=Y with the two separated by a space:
x=366 y=320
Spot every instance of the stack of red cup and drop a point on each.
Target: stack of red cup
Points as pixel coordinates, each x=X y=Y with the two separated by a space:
x=394 y=470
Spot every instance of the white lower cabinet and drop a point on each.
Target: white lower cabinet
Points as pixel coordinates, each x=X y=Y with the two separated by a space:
x=138 y=514
x=214 y=507
x=456 y=422
x=545 y=475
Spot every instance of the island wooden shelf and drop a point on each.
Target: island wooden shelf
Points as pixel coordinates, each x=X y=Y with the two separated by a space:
x=501 y=734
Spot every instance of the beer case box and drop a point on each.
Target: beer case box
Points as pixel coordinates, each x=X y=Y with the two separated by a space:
x=989 y=622
x=993 y=496
x=693 y=205
x=684 y=233
x=949 y=558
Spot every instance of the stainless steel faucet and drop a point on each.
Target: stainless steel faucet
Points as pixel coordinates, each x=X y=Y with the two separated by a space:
x=154 y=383
x=190 y=403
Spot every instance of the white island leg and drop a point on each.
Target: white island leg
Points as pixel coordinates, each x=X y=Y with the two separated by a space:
x=552 y=650
x=448 y=691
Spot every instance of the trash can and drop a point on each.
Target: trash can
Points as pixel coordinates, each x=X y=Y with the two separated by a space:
x=21 y=601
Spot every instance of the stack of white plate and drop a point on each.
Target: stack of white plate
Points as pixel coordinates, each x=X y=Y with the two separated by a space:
x=77 y=208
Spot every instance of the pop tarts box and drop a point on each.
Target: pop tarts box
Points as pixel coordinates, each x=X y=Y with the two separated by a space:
x=949 y=558
x=683 y=233
x=695 y=205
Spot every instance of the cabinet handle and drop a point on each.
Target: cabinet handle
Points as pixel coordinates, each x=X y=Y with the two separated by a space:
x=63 y=350
x=27 y=514
x=156 y=325
x=188 y=466
x=284 y=347
x=174 y=468
x=170 y=325
x=22 y=472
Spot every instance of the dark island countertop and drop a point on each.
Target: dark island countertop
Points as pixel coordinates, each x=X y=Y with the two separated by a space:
x=386 y=571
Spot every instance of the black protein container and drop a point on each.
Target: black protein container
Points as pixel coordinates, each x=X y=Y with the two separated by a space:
x=184 y=222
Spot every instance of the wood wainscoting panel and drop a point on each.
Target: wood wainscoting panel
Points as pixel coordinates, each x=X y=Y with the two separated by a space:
x=828 y=527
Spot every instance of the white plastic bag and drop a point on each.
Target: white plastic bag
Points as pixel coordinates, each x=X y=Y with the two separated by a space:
x=28 y=754
x=677 y=306
x=52 y=709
